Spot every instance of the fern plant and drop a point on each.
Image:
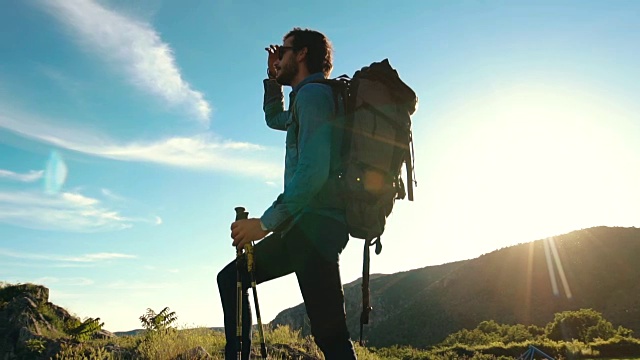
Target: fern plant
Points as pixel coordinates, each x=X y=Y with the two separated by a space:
x=161 y=321
x=86 y=329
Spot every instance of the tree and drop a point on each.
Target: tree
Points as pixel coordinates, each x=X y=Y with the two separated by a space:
x=490 y=331
x=584 y=325
x=624 y=332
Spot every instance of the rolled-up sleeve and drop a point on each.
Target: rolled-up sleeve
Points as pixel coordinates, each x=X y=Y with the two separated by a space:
x=314 y=108
x=273 y=105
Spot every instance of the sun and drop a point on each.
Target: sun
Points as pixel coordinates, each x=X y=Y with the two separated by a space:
x=521 y=164
x=542 y=159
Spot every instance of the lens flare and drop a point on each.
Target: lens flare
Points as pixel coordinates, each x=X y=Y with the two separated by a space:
x=553 y=258
x=55 y=173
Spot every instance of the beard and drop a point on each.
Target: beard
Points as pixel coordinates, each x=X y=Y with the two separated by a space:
x=286 y=73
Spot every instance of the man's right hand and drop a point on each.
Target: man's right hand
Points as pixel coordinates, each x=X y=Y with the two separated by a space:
x=273 y=51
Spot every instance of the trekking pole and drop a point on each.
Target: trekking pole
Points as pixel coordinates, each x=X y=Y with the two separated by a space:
x=251 y=269
x=240 y=214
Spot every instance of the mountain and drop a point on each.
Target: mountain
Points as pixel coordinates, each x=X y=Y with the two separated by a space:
x=594 y=268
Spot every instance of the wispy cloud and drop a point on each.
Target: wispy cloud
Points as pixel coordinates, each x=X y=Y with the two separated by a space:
x=31 y=176
x=135 y=47
x=125 y=285
x=200 y=152
x=112 y=195
x=86 y=258
x=77 y=281
x=156 y=269
x=65 y=211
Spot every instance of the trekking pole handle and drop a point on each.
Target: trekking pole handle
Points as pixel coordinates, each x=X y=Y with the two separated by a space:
x=241 y=214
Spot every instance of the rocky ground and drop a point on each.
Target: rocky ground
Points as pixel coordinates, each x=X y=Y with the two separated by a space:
x=29 y=323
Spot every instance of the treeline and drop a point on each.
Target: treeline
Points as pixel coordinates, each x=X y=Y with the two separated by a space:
x=581 y=334
x=584 y=325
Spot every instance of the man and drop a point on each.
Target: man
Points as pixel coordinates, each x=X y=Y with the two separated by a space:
x=306 y=223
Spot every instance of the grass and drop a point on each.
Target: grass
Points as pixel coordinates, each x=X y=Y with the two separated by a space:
x=281 y=343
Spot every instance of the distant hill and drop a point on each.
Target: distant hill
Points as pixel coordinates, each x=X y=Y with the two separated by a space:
x=596 y=268
x=138 y=331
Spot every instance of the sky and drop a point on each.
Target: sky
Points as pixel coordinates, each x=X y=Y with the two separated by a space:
x=129 y=132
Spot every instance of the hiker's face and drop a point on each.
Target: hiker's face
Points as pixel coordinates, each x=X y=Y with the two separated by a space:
x=286 y=66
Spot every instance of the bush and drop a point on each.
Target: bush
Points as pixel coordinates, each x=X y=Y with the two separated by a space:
x=617 y=347
x=170 y=344
x=584 y=325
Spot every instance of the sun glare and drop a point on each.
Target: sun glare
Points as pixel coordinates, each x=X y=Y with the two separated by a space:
x=526 y=164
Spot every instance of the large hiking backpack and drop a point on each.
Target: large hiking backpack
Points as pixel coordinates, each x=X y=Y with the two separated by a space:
x=377 y=142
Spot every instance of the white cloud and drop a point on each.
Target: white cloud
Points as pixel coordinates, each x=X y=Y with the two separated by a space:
x=112 y=195
x=78 y=199
x=124 y=285
x=76 y=281
x=65 y=212
x=134 y=46
x=87 y=258
x=200 y=152
x=31 y=176
x=102 y=256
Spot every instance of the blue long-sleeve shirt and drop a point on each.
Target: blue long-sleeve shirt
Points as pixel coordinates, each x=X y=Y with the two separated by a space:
x=312 y=151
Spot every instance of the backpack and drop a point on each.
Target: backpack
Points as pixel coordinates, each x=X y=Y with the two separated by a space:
x=377 y=141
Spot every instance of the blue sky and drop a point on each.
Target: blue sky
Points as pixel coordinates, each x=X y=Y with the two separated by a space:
x=130 y=131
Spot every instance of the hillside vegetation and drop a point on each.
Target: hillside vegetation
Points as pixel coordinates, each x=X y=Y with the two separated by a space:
x=595 y=268
x=497 y=306
x=582 y=334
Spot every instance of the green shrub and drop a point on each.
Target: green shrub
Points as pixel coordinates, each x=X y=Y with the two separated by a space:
x=85 y=330
x=282 y=335
x=584 y=325
x=617 y=347
x=396 y=352
x=82 y=352
x=158 y=322
x=170 y=344
x=36 y=346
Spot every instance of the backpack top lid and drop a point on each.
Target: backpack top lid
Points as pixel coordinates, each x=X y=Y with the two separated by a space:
x=384 y=73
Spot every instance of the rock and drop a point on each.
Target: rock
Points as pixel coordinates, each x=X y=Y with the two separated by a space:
x=25 y=334
x=61 y=312
x=21 y=310
x=37 y=293
x=103 y=334
x=21 y=319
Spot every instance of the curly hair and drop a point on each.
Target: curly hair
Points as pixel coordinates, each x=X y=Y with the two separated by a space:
x=319 y=49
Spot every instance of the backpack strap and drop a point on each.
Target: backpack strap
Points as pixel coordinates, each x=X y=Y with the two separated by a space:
x=366 y=293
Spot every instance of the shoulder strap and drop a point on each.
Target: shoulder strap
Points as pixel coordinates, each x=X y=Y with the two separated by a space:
x=338 y=86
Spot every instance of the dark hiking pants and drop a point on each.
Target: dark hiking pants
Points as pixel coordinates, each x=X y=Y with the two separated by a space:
x=318 y=275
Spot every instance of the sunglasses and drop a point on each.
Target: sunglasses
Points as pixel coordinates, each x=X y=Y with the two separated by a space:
x=282 y=50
